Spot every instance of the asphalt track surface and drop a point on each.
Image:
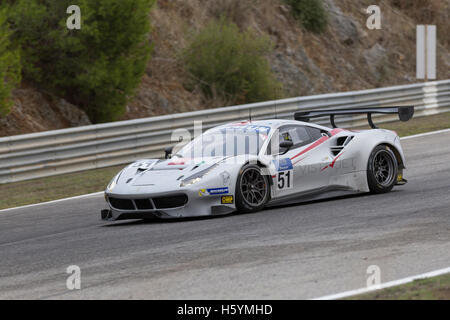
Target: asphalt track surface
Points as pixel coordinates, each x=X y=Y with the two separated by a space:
x=292 y=252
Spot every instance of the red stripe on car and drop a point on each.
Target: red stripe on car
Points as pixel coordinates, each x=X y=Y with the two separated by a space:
x=336 y=131
x=331 y=165
x=315 y=144
x=318 y=142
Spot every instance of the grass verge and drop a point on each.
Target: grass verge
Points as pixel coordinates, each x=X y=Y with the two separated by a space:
x=417 y=125
x=74 y=184
x=436 y=288
x=56 y=187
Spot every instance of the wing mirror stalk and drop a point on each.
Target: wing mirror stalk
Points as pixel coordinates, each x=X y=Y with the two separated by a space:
x=287 y=145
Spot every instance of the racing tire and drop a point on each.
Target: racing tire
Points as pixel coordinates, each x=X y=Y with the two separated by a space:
x=382 y=169
x=252 y=189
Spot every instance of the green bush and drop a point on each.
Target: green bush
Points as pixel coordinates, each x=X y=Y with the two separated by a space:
x=9 y=65
x=311 y=14
x=232 y=65
x=98 y=67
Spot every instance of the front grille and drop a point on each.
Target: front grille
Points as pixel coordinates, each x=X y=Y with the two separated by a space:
x=121 y=204
x=170 y=202
x=175 y=201
x=143 y=204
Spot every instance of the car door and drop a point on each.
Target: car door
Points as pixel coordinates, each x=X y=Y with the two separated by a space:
x=300 y=168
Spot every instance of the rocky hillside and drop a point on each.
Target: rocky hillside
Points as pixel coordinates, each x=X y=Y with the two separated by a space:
x=347 y=56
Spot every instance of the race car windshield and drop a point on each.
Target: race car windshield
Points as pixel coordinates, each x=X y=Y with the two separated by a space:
x=224 y=143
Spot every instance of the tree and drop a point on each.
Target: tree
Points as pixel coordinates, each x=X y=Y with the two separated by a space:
x=231 y=64
x=98 y=67
x=9 y=65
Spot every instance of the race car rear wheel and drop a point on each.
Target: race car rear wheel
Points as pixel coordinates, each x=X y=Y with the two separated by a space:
x=382 y=169
x=252 y=189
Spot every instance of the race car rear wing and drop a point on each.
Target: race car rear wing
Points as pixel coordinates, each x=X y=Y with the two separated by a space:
x=404 y=113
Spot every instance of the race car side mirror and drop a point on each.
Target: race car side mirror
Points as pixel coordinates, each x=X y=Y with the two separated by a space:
x=286 y=145
x=168 y=152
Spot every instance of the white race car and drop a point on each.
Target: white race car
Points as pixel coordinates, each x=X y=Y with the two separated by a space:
x=249 y=165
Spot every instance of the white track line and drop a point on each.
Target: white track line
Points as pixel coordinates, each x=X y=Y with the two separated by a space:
x=55 y=201
x=425 y=134
x=384 y=285
x=98 y=193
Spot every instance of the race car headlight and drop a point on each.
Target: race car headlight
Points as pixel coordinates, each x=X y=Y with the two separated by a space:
x=112 y=184
x=114 y=180
x=197 y=177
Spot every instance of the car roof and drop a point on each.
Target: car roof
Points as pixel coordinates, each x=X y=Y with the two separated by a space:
x=272 y=123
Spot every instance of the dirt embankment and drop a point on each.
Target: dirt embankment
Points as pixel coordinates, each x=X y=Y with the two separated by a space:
x=35 y=110
x=348 y=56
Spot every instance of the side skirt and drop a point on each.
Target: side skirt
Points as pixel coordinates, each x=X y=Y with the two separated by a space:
x=316 y=194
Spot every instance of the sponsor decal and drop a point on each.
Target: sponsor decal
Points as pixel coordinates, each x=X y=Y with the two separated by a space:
x=227 y=199
x=215 y=191
x=284 y=176
x=331 y=165
x=250 y=127
x=283 y=164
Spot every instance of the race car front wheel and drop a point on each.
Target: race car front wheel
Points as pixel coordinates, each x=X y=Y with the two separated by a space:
x=252 y=189
x=382 y=169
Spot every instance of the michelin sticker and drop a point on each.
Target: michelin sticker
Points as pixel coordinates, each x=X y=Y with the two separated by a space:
x=213 y=191
x=216 y=191
x=285 y=174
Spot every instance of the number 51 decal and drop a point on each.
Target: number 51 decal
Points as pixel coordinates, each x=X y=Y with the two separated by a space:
x=285 y=180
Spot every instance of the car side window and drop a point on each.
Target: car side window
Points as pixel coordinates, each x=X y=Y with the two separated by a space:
x=316 y=133
x=297 y=134
x=300 y=136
